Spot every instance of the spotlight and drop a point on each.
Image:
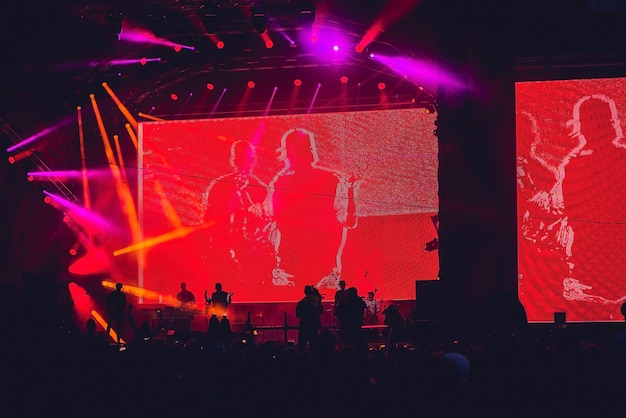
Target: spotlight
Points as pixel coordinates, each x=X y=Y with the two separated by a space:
x=343 y=79
x=381 y=86
x=220 y=44
x=297 y=82
x=174 y=96
x=258 y=19
x=359 y=48
x=269 y=44
x=210 y=86
x=251 y=84
x=335 y=48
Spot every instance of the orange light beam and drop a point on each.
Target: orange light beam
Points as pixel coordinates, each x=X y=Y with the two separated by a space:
x=133 y=136
x=120 y=106
x=116 y=140
x=168 y=208
x=83 y=160
x=128 y=205
x=145 y=115
x=100 y=320
x=159 y=239
x=143 y=293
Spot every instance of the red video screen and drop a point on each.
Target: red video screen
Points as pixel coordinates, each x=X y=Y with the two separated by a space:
x=268 y=205
x=571 y=177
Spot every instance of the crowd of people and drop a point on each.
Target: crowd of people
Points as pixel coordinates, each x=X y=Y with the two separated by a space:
x=325 y=373
x=86 y=374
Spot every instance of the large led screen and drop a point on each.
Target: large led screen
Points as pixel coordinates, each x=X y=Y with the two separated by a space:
x=267 y=205
x=571 y=177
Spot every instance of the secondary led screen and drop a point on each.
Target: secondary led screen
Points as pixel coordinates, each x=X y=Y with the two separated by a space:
x=571 y=174
x=267 y=205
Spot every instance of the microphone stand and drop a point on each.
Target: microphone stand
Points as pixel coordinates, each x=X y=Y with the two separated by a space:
x=371 y=281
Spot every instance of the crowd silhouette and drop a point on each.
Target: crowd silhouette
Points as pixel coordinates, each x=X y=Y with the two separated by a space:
x=555 y=373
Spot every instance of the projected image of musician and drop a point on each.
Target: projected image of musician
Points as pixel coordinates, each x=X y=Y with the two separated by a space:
x=242 y=238
x=595 y=178
x=314 y=207
x=546 y=237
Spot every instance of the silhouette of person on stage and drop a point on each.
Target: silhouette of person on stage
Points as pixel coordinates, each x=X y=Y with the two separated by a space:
x=395 y=321
x=595 y=178
x=350 y=315
x=372 y=308
x=186 y=299
x=116 y=304
x=219 y=299
x=309 y=310
x=242 y=233
x=313 y=208
x=144 y=334
x=341 y=295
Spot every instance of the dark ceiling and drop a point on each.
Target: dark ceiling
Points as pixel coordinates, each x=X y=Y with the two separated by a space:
x=56 y=52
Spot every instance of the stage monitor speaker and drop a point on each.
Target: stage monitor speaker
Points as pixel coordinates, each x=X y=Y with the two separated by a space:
x=427 y=300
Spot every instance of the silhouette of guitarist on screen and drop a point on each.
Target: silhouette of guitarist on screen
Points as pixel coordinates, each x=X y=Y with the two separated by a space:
x=242 y=236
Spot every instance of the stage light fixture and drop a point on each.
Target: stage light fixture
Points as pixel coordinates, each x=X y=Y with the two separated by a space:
x=251 y=84
x=343 y=79
x=297 y=82
x=258 y=19
x=381 y=86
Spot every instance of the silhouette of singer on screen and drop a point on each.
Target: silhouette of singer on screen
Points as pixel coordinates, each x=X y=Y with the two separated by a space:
x=595 y=178
x=313 y=208
x=242 y=236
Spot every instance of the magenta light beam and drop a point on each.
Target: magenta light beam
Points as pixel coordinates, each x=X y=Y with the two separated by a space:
x=39 y=135
x=314 y=97
x=418 y=71
x=269 y=104
x=142 y=61
x=142 y=36
x=78 y=212
x=217 y=103
x=65 y=175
